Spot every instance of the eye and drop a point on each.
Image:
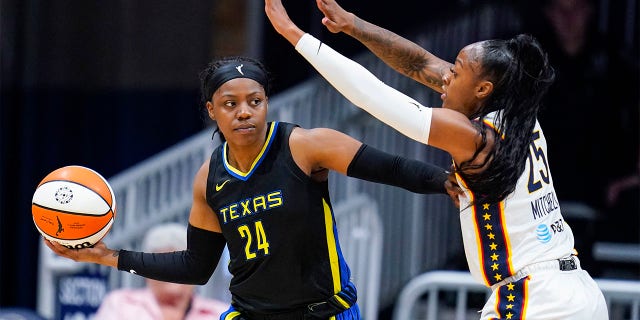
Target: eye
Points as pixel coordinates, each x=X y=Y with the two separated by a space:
x=229 y=104
x=452 y=71
x=256 y=101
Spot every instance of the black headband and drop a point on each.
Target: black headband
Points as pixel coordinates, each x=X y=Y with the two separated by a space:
x=236 y=70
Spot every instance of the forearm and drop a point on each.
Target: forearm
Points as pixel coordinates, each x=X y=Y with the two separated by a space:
x=404 y=56
x=366 y=91
x=192 y=266
x=416 y=176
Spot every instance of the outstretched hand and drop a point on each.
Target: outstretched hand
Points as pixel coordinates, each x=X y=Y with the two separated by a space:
x=335 y=18
x=281 y=22
x=99 y=253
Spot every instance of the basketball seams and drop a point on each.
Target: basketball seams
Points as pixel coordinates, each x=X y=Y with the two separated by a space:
x=83 y=176
x=71 y=212
x=112 y=207
x=73 y=225
x=82 y=242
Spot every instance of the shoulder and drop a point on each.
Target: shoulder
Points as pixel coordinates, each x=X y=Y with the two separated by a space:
x=284 y=128
x=203 y=171
x=313 y=134
x=201 y=178
x=311 y=140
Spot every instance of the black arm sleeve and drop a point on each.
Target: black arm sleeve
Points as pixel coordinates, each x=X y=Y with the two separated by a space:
x=192 y=266
x=416 y=176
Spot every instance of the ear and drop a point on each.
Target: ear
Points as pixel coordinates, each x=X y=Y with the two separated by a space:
x=484 y=89
x=209 y=106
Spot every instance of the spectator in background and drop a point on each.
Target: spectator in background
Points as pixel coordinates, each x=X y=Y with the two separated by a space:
x=623 y=209
x=593 y=103
x=160 y=300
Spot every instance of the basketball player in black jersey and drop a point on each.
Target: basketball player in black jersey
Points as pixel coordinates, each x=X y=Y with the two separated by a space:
x=264 y=193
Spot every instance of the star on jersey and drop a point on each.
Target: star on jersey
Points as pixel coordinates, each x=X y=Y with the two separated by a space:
x=494 y=247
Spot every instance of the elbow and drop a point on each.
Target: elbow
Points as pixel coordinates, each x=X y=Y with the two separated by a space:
x=197 y=278
x=201 y=281
x=200 y=276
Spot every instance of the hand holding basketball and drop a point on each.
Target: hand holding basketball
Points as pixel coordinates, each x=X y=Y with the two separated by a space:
x=74 y=206
x=98 y=253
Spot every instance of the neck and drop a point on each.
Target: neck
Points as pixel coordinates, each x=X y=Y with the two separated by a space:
x=242 y=157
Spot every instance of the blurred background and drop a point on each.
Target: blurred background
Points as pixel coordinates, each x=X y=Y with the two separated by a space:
x=109 y=84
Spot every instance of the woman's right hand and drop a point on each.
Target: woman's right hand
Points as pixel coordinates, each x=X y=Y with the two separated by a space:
x=99 y=253
x=335 y=18
x=281 y=22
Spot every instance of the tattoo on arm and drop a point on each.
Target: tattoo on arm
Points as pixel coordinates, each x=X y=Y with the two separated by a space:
x=402 y=55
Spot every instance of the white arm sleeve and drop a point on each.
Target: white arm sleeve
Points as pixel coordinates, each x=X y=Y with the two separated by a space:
x=366 y=91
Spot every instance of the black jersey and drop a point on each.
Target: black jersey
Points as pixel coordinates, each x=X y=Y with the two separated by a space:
x=279 y=227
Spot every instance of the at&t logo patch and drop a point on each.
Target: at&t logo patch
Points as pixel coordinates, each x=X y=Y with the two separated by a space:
x=543 y=234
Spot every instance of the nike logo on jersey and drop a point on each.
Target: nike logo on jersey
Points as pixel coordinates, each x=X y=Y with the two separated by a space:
x=219 y=186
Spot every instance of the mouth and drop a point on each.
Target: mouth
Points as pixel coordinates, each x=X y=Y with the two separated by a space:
x=245 y=128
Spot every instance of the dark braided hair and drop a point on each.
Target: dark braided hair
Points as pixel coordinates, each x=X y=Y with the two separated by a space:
x=206 y=91
x=521 y=76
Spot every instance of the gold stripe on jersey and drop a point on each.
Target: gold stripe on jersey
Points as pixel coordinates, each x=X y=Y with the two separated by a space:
x=507 y=240
x=475 y=226
x=245 y=175
x=492 y=126
x=334 y=261
x=492 y=239
x=512 y=300
x=478 y=240
x=231 y=315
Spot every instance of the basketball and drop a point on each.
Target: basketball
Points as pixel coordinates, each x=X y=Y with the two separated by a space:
x=74 y=206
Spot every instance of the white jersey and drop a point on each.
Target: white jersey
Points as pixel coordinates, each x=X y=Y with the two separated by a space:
x=510 y=245
x=526 y=227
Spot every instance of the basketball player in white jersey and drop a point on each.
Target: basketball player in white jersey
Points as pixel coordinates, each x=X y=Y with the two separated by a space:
x=515 y=238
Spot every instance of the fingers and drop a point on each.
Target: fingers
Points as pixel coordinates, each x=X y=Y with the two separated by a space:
x=322 y=6
x=57 y=248
x=330 y=16
x=331 y=26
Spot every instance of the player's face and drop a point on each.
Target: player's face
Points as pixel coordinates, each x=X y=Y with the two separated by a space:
x=239 y=107
x=463 y=88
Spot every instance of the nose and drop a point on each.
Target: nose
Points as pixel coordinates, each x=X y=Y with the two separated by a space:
x=244 y=111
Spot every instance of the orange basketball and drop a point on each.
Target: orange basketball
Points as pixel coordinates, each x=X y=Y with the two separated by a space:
x=74 y=206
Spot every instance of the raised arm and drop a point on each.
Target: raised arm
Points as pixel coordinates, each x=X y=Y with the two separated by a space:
x=439 y=127
x=404 y=56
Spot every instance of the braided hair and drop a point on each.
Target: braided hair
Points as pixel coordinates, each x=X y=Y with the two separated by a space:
x=520 y=71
